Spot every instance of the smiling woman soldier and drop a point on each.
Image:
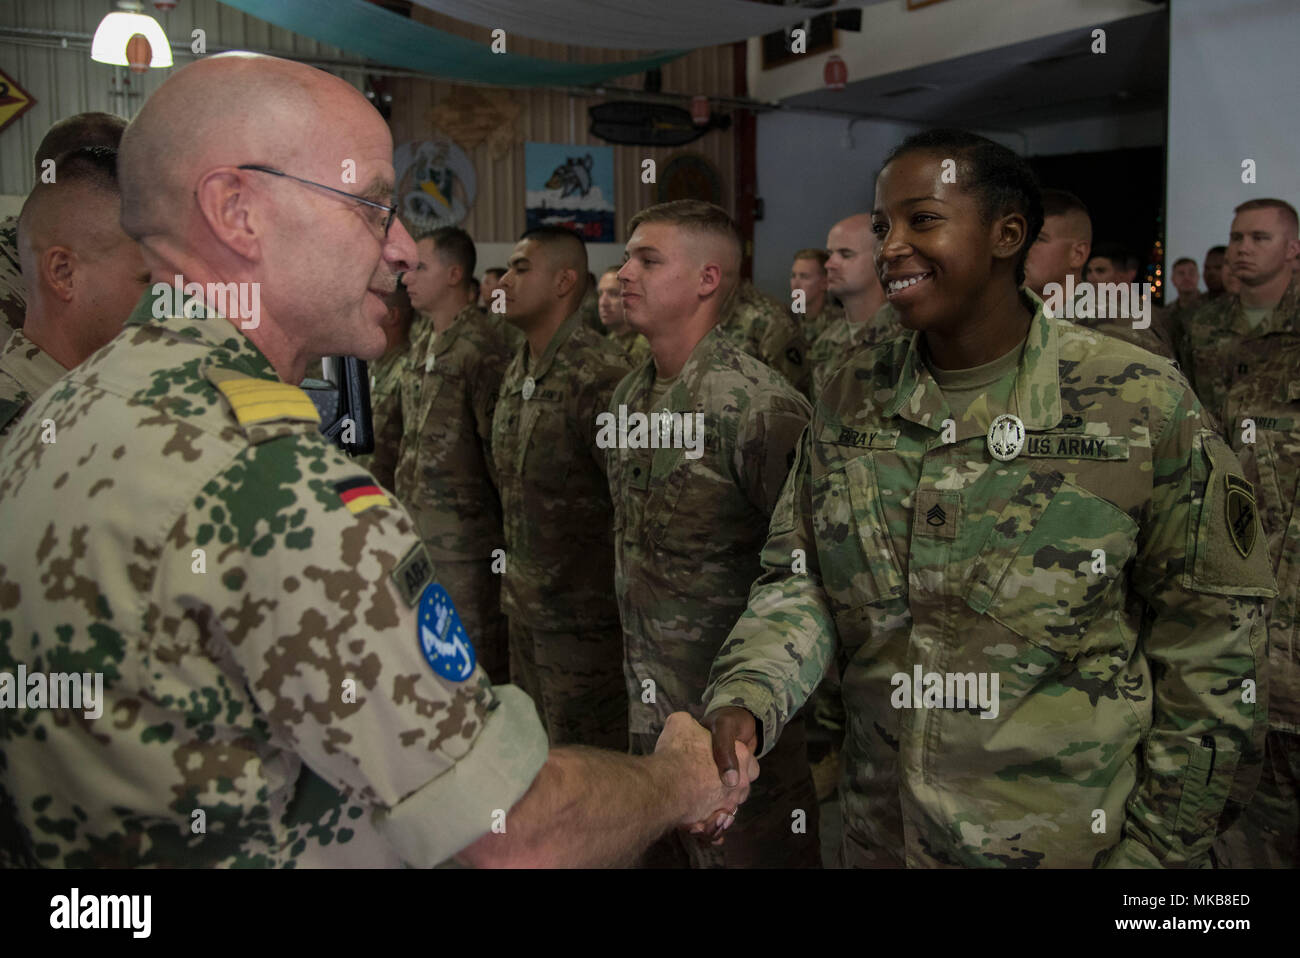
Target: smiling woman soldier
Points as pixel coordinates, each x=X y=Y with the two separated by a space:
x=1038 y=566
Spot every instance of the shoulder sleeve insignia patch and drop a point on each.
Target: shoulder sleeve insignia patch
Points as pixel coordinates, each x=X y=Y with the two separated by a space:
x=442 y=638
x=1240 y=511
x=360 y=493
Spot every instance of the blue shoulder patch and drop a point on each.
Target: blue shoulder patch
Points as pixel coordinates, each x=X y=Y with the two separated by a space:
x=443 y=641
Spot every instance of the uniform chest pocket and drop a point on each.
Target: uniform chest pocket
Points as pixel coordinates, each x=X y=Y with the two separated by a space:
x=543 y=448
x=1051 y=565
x=855 y=551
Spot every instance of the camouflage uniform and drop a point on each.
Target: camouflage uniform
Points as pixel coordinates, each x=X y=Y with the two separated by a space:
x=1268 y=834
x=814 y=326
x=589 y=310
x=385 y=379
x=1124 y=733
x=687 y=535
x=226 y=686
x=1223 y=347
x=633 y=345
x=1172 y=319
x=439 y=421
x=760 y=326
x=845 y=337
x=26 y=371
x=566 y=647
x=13 y=291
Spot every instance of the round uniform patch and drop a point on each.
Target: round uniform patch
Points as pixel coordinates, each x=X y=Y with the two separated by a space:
x=443 y=641
x=1006 y=437
x=529 y=385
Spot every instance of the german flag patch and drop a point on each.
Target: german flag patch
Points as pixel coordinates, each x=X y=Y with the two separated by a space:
x=360 y=493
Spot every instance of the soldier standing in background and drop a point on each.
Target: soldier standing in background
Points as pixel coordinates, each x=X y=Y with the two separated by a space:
x=84 y=276
x=1262 y=422
x=386 y=371
x=1229 y=336
x=439 y=421
x=808 y=274
x=1036 y=523
x=762 y=327
x=692 y=510
x=852 y=279
x=632 y=343
x=566 y=647
x=84 y=129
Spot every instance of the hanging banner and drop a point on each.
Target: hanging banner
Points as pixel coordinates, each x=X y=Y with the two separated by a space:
x=571 y=186
x=435 y=183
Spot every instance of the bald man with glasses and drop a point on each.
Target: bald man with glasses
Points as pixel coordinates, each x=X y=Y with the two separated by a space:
x=252 y=662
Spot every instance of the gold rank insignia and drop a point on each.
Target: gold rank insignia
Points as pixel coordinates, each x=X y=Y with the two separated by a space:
x=261 y=400
x=1240 y=513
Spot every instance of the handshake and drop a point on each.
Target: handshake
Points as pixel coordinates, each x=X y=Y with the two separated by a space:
x=717 y=764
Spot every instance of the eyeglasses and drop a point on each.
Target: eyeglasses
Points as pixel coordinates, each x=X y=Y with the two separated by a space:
x=390 y=210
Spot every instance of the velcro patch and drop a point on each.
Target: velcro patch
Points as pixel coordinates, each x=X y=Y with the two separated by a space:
x=360 y=493
x=1074 y=445
x=936 y=514
x=412 y=574
x=860 y=438
x=261 y=400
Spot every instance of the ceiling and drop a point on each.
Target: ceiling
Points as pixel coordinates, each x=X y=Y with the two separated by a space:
x=1038 y=81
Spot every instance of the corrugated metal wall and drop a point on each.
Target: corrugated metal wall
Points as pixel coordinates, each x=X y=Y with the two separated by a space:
x=67 y=81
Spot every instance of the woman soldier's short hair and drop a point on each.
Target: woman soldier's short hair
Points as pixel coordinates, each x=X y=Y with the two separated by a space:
x=1000 y=180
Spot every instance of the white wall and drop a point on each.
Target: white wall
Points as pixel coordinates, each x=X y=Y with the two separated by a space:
x=1233 y=91
x=809 y=176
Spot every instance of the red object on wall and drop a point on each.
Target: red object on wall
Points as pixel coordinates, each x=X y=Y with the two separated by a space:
x=700 y=110
x=165 y=5
x=138 y=53
x=835 y=73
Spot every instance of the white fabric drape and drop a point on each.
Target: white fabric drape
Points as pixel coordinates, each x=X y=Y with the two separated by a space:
x=633 y=24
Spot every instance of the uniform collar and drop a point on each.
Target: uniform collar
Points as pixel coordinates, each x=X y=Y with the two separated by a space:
x=33 y=368
x=562 y=336
x=918 y=398
x=448 y=336
x=1283 y=318
x=686 y=382
x=194 y=321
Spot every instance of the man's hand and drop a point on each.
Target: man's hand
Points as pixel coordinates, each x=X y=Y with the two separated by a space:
x=705 y=793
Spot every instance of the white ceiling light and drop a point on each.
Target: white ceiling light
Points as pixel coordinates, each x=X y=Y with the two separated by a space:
x=116 y=30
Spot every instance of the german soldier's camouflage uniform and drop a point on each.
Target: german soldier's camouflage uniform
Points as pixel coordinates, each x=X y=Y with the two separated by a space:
x=845 y=337
x=814 y=326
x=566 y=646
x=1268 y=834
x=1095 y=575
x=687 y=536
x=440 y=422
x=1223 y=347
x=26 y=371
x=13 y=291
x=760 y=326
x=266 y=701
